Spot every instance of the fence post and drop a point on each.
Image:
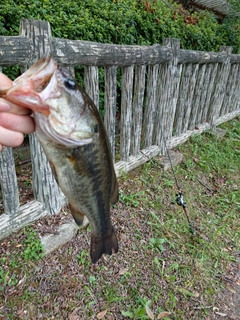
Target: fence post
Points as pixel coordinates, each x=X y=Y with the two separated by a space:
x=44 y=185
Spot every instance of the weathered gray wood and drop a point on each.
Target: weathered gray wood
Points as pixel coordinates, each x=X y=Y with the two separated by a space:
x=39 y=34
x=191 y=56
x=167 y=93
x=219 y=88
x=139 y=86
x=235 y=58
x=210 y=91
x=230 y=89
x=91 y=83
x=198 y=92
x=45 y=188
x=175 y=141
x=15 y=50
x=126 y=112
x=8 y=180
x=176 y=158
x=185 y=98
x=135 y=161
x=28 y=213
x=146 y=154
x=64 y=234
x=189 y=101
x=77 y=52
x=149 y=112
x=235 y=102
x=220 y=6
x=110 y=98
x=203 y=96
x=175 y=73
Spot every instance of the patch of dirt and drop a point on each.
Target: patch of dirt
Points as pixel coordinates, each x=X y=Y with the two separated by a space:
x=230 y=295
x=58 y=287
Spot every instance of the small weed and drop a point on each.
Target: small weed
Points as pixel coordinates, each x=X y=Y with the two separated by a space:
x=32 y=247
x=28 y=182
x=139 y=310
x=131 y=199
x=157 y=243
x=83 y=258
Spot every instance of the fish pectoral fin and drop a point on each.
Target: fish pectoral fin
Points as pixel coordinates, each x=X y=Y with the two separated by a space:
x=106 y=244
x=77 y=215
x=115 y=192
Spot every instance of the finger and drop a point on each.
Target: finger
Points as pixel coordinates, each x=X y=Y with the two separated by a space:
x=4 y=105
x=14 y=122
x=5 y=82
x=13 y=108
x=10 y=138
x=19 y=110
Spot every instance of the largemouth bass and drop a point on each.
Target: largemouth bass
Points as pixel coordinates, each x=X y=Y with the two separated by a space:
x=72 y=134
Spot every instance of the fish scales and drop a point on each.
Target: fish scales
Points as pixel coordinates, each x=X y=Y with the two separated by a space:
x=73 y=137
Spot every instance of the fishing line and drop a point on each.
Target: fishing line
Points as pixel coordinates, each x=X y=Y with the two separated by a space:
x=179 y=196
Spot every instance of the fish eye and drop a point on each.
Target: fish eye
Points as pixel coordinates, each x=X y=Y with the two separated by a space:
x=95 y=128
x=70 y=84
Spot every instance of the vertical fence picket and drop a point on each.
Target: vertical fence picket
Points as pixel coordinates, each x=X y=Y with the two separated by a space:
x=45 y=188
x=167 y=94
x=91 y=83
x=126 y=112
x=184 y=104
x=203 y=96
x=110 y=98
x=219 y=89
x=230 y=88
x=189 y=101
x=8 y=180
x=210 y=91
x=236 y=94
x=150 y=107
x=137 y=108
x=197 y=97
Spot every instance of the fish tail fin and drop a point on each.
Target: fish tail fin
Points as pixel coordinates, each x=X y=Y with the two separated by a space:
x=99 y=245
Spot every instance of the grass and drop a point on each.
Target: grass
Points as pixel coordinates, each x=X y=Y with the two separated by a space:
x=162 y=270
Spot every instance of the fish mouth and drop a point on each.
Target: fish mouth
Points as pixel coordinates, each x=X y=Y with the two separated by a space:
x=33 y=90
x=26 y=88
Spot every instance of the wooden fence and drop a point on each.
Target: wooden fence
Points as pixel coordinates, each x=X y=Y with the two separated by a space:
x=163 y=88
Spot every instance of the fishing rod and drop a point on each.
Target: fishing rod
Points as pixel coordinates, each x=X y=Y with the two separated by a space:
x=179 y=196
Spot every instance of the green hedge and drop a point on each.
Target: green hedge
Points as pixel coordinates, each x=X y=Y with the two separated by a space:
x=123 y=22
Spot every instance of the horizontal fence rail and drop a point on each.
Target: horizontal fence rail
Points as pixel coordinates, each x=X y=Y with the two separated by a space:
x=164 y=91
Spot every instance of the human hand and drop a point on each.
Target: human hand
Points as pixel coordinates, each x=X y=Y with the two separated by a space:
x=15 y=121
